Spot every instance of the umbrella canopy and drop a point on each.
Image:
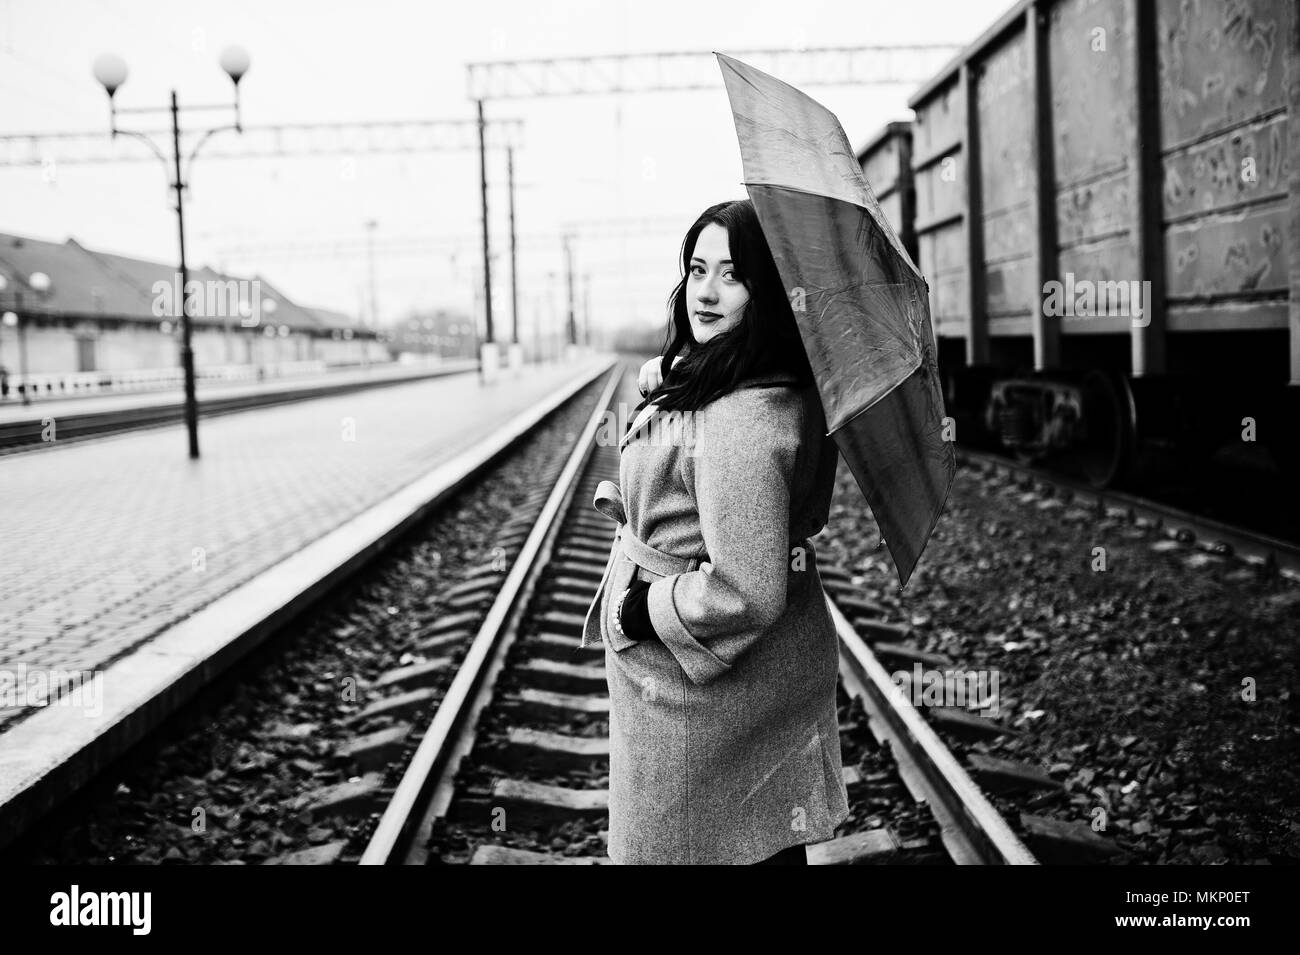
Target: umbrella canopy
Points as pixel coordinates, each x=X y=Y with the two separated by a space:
x=862 y=306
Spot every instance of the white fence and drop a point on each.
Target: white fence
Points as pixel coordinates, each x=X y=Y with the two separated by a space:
x=72 y=383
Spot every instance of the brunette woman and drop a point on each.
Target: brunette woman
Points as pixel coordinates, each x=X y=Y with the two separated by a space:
x=720 y=653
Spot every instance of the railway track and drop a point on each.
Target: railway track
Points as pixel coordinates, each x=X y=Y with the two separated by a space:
x=1206 y=533
x=511 y=768
x=487 y=743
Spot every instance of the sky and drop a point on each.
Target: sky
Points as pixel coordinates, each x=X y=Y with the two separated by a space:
x=650 y=161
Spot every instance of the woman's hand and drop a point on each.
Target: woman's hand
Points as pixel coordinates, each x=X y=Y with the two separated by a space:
x=633 y=615
x=651 y=375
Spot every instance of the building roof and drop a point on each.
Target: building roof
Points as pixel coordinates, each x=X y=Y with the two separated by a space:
x=89 y=284
x=79 y=283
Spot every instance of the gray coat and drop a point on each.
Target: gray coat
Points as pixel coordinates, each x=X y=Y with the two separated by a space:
x=724 y=743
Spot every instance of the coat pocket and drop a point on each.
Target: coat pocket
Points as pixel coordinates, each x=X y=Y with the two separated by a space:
x=620 y=576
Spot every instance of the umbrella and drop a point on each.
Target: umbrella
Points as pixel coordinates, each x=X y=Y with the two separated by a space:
x=861 y=304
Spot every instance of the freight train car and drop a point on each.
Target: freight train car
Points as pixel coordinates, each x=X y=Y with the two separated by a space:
x=1107 y=212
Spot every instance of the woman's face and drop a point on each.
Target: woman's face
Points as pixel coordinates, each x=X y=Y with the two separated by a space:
x=715 y=295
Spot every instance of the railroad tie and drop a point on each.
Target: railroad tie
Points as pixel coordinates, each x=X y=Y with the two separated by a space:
x=583 y=585
x=376 y=750
x=453 y=621
x=528 y=803
x=586 y=554
x=589 y=539
x=833 y=573
x=353 y=798
x=964 y=725
x=1056 y=842
x=526 y=747
x=542 y=706
x=552 y=646
x=583 y=570
x=562 y=677
x=1001 y=775
x=876 y=631
x=854 y=607
x=873 y=847
x=563 y=622
x=569 y=601
x=404 y=704
x=472 y=599
x=510 y=542
x=445 y=642
x=326 y=854
x=415 y=676
x=504 y=855
x=474 y=584
x=910 y=653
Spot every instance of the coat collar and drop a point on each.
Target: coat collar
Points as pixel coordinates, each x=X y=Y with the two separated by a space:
x=770 y=379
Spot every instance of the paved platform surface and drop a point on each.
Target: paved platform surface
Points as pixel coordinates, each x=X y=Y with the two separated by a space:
x=103 y=544
x=12 y=409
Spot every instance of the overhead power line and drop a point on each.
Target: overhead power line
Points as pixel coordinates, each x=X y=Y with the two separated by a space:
x=278 y=139
x=878 y=65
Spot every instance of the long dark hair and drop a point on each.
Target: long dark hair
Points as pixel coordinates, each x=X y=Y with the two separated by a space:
x=765 y=340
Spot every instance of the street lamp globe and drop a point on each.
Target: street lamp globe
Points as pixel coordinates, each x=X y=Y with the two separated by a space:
x=39 y=281
x=110 y=70
x=234 y=60
x=10 y=319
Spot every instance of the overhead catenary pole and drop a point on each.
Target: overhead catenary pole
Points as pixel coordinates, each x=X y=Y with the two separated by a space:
x=370 y=253
x=487 y=264
x=537 y=329
x=514 y=280
x=586 y=308
x=568 y=273
x=473 y=328
x=187 y=348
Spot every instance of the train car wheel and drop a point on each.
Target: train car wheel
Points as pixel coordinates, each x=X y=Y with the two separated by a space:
x=1108 y=411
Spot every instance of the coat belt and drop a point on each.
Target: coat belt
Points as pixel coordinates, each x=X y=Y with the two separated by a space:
x=609 y=501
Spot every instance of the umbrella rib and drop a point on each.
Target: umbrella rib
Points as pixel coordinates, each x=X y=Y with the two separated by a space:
x=853 y=202
x=867 y=407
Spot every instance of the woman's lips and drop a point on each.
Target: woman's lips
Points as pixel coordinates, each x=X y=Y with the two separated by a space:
x=707 y=316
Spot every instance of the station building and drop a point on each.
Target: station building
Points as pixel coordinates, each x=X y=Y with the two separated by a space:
x=77 y=319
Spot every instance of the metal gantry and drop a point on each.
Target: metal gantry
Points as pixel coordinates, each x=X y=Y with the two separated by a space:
x=270 y=140
x=616 y=74
x=876 y=65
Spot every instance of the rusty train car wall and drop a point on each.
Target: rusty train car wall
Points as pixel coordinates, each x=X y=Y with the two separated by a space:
x=1104 y=197
x=886 y=161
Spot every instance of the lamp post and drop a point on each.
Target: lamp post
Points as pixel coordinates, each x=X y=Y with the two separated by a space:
x=111 y=72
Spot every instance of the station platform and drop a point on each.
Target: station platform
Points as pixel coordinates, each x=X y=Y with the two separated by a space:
x=13 y=410
x=109 y=542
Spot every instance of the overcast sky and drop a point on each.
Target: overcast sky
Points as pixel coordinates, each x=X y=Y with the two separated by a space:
x=664 y=155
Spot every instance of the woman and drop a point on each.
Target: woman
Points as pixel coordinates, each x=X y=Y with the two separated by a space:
x=720 y=653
